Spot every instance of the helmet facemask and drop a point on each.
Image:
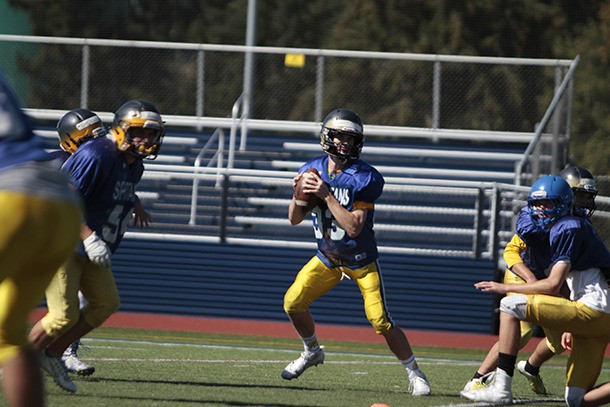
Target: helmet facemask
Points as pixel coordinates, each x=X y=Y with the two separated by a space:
x=131 y=117
x=550 y=199
x=342 y=122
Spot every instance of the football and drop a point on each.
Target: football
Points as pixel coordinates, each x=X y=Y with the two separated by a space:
x=302 y=199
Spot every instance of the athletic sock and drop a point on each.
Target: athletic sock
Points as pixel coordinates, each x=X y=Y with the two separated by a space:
x=533 y=370
x=410 y=363
x=311 y=344
x=507 y=363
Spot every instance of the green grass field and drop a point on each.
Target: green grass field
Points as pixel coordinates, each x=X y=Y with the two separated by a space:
x=153 y=368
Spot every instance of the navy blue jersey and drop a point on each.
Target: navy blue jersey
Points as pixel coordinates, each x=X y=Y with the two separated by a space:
x=575 y=240
x=18 y=144
x=356 y=186
x=60 y=155
x=99 y=170
x=537 y=256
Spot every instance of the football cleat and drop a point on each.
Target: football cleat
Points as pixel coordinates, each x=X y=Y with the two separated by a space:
x=535 y=381
x=480 y=383
x=56 y=368
x=497 y=392
x=418 y=383
x=74 y=364
x=304 y=362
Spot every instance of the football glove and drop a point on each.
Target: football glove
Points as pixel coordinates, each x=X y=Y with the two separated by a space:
x=97 y=250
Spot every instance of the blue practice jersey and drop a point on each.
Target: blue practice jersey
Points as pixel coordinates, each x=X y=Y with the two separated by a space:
x=18 y=144
x=357 y=186
x=99 y=170
x=575 y=240
x=537 y=256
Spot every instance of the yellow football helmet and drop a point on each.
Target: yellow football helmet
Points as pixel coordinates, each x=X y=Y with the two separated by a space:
x=138 y=114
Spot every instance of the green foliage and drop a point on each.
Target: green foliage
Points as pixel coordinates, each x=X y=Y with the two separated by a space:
x=520 y=28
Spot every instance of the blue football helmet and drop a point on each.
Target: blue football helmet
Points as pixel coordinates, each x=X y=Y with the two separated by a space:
x=345 y=122
x=550 y=199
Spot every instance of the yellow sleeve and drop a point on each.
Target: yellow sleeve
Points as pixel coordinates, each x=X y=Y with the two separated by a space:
x=513 y=250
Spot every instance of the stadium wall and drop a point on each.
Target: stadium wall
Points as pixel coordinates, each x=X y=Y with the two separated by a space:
x=248 y=282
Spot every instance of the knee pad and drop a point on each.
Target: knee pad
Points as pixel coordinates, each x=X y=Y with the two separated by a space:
x=574 y=396
x=514 y=305
x=97 y=314
x=56 y=325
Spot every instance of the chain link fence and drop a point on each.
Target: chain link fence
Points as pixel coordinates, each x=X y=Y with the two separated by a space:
x=394 y=89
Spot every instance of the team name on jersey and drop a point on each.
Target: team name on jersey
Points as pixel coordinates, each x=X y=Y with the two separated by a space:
x=343 y=195
x=123 y=191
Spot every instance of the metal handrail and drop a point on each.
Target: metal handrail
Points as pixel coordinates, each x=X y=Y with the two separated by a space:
x=545 y=119
x=232 y=135
x=216 y=157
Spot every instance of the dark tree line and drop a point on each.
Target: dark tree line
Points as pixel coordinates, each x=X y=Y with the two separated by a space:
x=519 y=28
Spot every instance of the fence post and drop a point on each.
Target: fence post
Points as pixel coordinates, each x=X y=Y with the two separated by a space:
x=222 y=222
x=478 y=223
x=84 y=88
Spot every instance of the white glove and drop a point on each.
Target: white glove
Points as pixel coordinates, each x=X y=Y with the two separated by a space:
x=97 y=250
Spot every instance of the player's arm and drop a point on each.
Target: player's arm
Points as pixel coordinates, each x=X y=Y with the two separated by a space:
x=351 y=222
x=550 y=285
x=296 y=213
x=514 y=262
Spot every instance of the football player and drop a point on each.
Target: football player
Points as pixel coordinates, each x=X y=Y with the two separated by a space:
x=75 y=128
x=527 y=263
x=106 y=172
x=343 y=227
x=40 y=217
x=577 y=257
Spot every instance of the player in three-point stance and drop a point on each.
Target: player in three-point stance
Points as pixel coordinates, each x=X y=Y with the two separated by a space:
x=343 y=226
x=577 y=257
x=527 y=257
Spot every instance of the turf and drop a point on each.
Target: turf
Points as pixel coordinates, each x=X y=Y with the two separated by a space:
x=158 y=368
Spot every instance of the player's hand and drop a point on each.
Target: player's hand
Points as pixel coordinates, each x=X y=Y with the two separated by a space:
x=566 y=341
x=140 y=216
x=97 y=251
x=490 y=287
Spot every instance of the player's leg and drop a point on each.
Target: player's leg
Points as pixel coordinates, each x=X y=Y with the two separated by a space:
x=544 y=351
x=512 y=311
x=70 y=357
x=50 y=231
x=313 y=280
x=370 y=283
x=99 y=287
x=583 y=369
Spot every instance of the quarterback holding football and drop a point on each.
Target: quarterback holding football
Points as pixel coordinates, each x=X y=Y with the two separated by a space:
x=340 y=190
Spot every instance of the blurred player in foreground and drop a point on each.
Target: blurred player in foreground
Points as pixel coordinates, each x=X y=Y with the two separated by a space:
x=347 y=189
x=40 y=218
x=527 y=256
x=105 y=171
x=577 y=257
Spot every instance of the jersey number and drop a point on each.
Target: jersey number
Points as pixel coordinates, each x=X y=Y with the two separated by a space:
x=116 y=225
x=319 y=219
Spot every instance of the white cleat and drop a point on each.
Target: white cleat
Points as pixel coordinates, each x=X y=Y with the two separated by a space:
x=75 y=365
x=480 y=383
x=56 y=368
x=498 y=392
x=304 y=362
x=535 y=381
x=418 y=383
